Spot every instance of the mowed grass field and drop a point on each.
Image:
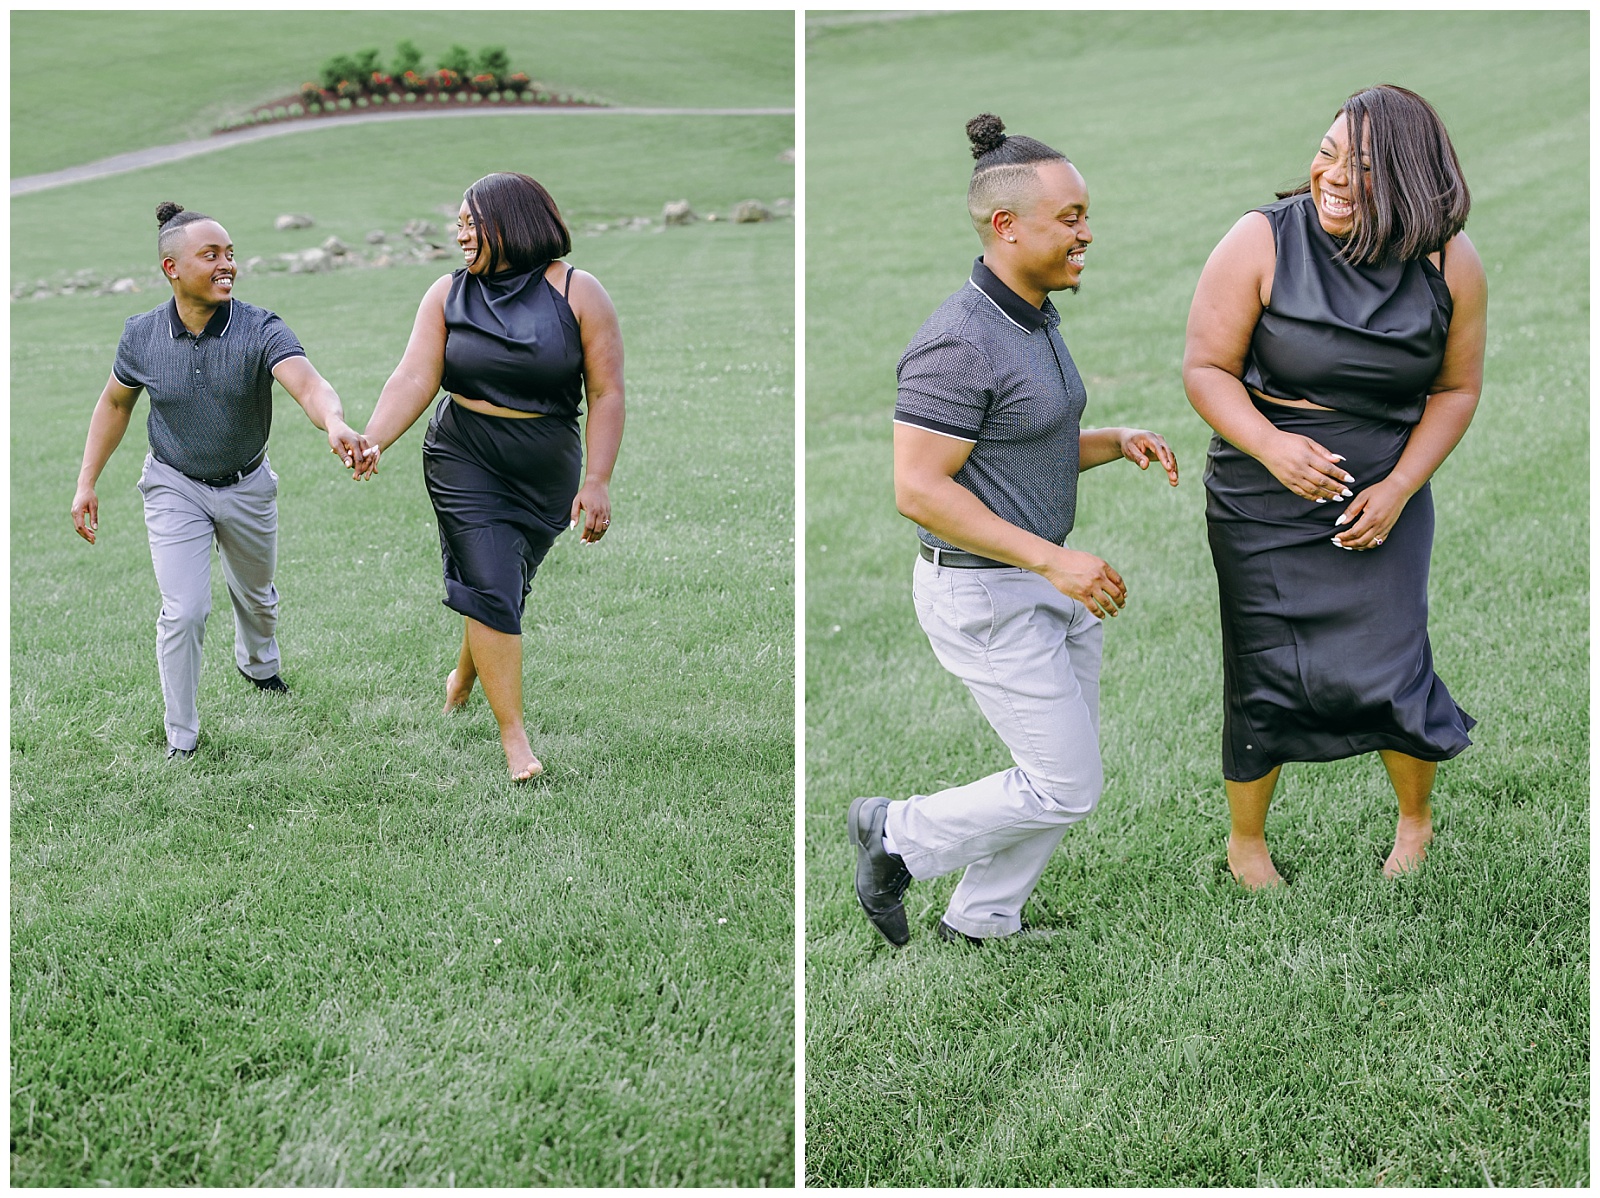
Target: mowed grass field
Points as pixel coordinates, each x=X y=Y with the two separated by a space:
x=1162 y=1027
x=85 y=85
x=339 y=947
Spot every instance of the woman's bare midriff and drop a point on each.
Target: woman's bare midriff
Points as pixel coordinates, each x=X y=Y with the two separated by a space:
x=484 y=408
x=1289 y=403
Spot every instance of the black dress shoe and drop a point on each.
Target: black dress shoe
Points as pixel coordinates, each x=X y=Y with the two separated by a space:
x=275 y=683
x=176 y=754
x=881 y=876
x=955 y=935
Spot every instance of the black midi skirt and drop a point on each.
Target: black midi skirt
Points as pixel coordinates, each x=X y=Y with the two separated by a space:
x=502 y=491
x=1325 y=651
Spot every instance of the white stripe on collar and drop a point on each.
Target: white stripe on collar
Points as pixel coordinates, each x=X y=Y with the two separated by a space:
x=997 y=307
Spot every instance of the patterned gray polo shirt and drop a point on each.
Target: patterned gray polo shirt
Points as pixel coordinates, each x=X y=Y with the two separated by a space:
x=990 y=368
x=211 y=395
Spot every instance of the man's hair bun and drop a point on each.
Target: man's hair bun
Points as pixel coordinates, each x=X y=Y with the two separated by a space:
x=165 y=211
x=987 y=133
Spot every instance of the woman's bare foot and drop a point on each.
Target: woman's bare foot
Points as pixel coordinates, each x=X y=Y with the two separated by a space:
x=519 y=755
x=1411 y=838
x=455 y=696
x=1251 y=864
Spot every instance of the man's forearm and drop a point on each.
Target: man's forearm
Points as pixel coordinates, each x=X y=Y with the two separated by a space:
x=954 y=514
x=106 y=429
x=323 y=407
x=1097 y=446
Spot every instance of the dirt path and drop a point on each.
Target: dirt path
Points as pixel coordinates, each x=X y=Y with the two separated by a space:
x=155 y=155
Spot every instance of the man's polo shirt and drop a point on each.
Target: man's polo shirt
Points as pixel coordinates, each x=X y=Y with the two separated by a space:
x=211 y=395
x=989 y=368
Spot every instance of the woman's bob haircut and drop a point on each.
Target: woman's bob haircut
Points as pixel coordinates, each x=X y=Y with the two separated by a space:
x=1416 y=200
x=519 y=226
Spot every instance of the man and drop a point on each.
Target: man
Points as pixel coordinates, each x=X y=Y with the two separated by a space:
x=208 y=361
x=987 y=452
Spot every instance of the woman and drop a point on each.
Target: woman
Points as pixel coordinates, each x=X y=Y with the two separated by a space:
x=1336 y=345
x=517 y=338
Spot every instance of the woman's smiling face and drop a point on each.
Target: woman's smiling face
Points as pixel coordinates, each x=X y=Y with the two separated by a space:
x=1333 y=172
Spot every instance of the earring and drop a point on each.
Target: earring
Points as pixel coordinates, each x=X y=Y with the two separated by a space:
x=1013 y=240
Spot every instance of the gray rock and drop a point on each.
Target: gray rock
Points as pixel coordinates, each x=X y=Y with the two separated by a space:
x=749 y=212
x=376 y=237
x=677 y=212
x=419 y=229
x=783 y=206
x=124 y=286
x=293 y=221
x=335 y=247
x=311 y=261
x=255 y=263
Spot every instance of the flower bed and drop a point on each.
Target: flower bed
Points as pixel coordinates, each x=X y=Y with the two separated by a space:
x=411 y=91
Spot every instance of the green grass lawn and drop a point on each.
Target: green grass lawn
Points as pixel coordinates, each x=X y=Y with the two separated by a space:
x=85 y=85
x=339 y=947
x=1162 y=1027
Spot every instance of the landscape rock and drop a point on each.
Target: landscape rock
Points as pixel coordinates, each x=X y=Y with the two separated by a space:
x=124 y=286
x=748 y=212
x=255 y=263
x=335 y=247
x=420 y=229
x=783 y=206
x=376 y=237
x=293 y=221
x=677 y=212
x=310 y=261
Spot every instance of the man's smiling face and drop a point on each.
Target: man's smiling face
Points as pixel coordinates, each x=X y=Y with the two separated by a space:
x=202 y=269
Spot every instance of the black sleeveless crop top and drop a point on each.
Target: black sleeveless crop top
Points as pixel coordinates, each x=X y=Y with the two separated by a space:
x=512 y=340
x=1365 y=340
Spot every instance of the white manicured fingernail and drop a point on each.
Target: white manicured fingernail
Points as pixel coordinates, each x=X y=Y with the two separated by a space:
x=1343 y=518
x=1322 y=501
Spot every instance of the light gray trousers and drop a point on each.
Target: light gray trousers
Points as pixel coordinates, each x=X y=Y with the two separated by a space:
x=1031 y=658
x=184 y=519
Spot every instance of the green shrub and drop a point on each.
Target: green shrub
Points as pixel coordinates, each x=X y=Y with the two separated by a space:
x=526 y=97
x=339 y=69
x=461 y=97
x=345 y=103
x=362 y=102
x=494 y=97
x=411 y=97
x=279 y=112
x=427 y=97
x=296 y=110
x=407 y=58
x=314 y=109
x=457 y=59
x=493 y=60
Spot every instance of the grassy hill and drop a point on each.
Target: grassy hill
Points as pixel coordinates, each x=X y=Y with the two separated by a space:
x=88 y=84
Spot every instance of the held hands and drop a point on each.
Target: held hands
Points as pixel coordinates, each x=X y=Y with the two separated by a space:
x=1092 y=582
x=353 y=449
x=86 y=512
x=1307 y=469
x=1371 y=516
x=1140 y=445
x=593 y=502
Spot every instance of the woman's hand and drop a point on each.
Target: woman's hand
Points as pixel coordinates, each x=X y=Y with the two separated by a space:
x=1371 y=516
x=1140 y=445
x=593 y=502
x=1306 y=468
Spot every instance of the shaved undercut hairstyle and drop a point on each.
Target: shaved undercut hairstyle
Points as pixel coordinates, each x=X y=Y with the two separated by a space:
x=1005 y=174
x=171 y=219
x=1418 y=199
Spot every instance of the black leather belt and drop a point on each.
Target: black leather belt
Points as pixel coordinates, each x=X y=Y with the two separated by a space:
x=960 y=559
x=227 y=480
